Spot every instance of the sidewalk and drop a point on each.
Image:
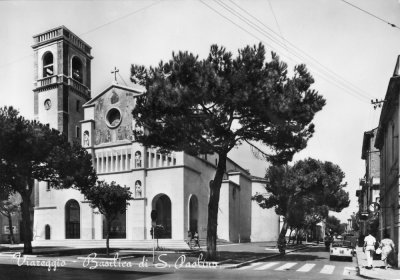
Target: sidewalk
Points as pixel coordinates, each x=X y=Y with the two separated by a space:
x=378 y=271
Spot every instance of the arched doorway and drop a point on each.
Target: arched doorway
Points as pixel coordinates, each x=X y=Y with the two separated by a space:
x=72 y=220
x=193 y=214
x=47 y=232
x=162 y=204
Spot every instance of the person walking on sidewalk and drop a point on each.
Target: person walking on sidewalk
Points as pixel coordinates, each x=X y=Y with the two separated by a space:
x=369 y=248
x=387 y=246
x=196 y=239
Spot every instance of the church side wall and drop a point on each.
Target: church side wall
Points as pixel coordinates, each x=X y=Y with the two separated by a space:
x=197 y=184
x=264 y=222
x=245 y=209
x=52 y=212
x=167 y=181
x=224 y=216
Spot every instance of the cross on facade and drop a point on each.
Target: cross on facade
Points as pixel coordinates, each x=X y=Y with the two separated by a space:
x=115 y=71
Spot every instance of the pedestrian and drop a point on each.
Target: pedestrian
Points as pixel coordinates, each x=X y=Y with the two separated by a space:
x=196 y=239
x=387 y=247
x=369 y=248
x=190 y=238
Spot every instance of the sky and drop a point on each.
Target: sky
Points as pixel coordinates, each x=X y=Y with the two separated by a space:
x=350 y=53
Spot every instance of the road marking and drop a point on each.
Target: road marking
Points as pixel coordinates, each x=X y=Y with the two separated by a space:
x=250 y=265
x=347 y=270
x=307 y=267
x=286 y=266
x=327 y=269
x=266 y=266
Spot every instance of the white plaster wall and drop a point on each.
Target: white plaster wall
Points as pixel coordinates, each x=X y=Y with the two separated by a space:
x=89 y=113
x=168 y=181
x=137 y=218
x=264 y=222
x=223 y=212
x=197 y=182
x=48 y=116
x=244 y=217
x=55 y=217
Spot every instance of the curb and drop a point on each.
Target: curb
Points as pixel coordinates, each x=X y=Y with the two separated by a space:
x=264 y=258
x=360 y=268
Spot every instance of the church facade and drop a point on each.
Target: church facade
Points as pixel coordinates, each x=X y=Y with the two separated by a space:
x=176 y=185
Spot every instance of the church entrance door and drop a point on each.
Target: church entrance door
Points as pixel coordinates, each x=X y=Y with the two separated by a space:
x=193 y=214
x=162 y=204
x=72 y=220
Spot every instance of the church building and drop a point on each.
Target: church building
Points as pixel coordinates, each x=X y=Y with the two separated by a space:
x=175 y=185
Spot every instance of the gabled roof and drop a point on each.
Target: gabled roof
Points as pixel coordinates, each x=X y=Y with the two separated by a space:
x=136 y=89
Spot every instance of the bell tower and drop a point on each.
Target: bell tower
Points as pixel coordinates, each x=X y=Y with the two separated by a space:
x=61 y=79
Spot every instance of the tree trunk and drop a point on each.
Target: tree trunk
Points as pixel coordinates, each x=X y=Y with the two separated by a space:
x=212 y=224
x=12 y=241
x=282 y=237
x=290 y=235
x=26 y=219
x=108 y=237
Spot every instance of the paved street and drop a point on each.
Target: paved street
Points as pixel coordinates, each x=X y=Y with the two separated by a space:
x=311 y=263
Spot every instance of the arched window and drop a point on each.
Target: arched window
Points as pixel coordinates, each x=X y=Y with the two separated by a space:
x=72 y=220
x=47 y=232
x=77 y=69
x=48 y=69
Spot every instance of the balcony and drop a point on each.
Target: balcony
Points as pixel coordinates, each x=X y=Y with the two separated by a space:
x=47 y=82
x=77 y=86
x=52 y=81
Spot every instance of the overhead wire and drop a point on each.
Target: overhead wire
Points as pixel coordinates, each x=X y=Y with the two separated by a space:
x=257 y=28
x=91 y=30
x=364 y=11
x=277 y=23
x=325 y=73
x=122 y=79
x=352 y=92
x=338 y=82
x=120 y=18
x=355 y=87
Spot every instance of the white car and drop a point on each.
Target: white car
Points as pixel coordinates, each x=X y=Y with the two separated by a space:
x=341 y=249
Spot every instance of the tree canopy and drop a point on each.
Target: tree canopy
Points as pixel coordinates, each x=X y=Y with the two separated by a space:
x=309 y=189
x=29 y=151
x=212 y=105
x=334 y=226
x=110 y=200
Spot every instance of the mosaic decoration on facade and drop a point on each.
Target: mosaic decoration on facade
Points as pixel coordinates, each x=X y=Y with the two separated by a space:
x=124 y=102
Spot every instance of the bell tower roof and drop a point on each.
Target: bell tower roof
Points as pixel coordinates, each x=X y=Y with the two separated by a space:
x=61 y=33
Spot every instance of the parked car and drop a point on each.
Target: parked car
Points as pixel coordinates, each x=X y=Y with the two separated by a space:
x=341 y=249
x=352 y=239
